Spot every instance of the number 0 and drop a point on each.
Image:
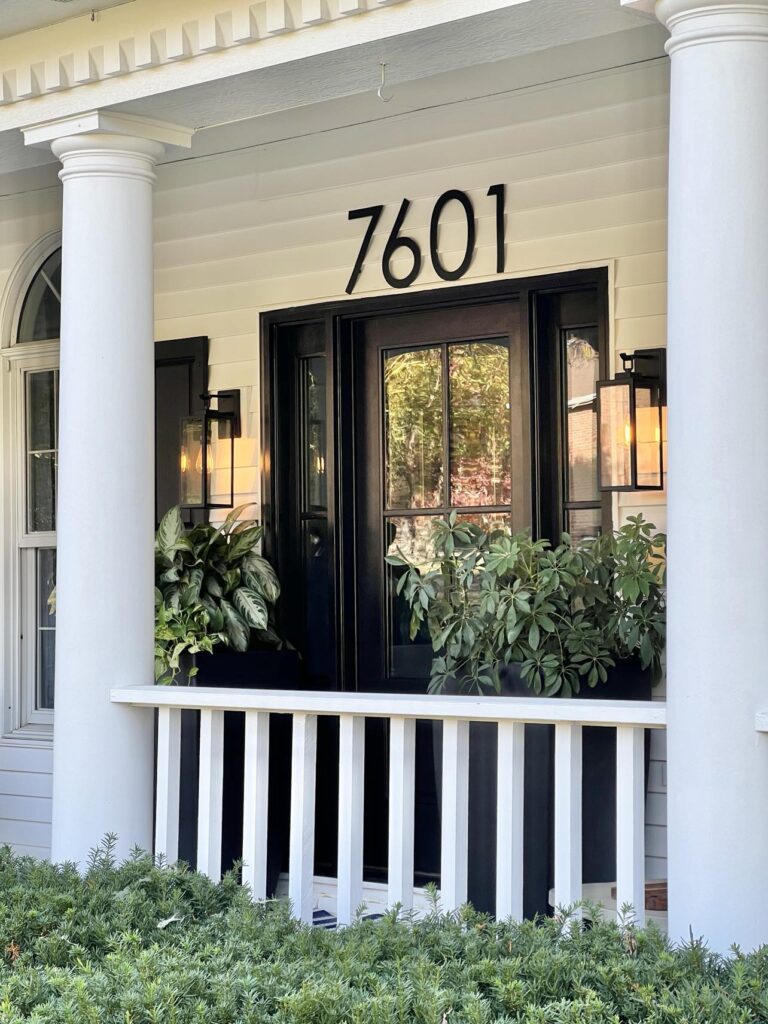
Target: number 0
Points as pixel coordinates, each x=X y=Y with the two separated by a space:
x=434 y=230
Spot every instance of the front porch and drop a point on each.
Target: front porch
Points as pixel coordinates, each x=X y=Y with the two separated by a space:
x=279 y=212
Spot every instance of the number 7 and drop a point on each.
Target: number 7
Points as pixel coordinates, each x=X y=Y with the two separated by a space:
x=374 y=212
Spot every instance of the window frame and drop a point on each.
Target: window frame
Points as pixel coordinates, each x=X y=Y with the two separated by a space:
x=21 y=717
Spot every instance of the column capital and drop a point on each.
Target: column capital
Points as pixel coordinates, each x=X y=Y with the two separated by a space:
x=695 y=22
x=104 y=142
x=108 y=122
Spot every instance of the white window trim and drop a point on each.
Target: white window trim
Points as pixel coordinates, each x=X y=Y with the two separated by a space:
x=20 y=718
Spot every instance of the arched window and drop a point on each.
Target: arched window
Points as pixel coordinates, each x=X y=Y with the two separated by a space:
x=40 y=318
x=32 y=391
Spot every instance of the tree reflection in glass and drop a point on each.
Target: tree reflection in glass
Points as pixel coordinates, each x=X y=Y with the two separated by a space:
x=413 y=409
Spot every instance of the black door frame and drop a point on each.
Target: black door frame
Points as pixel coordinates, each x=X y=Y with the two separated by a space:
x=338 y=318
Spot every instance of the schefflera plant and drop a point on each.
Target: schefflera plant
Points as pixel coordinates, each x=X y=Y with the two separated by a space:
x=563 y=615
x=212 y=586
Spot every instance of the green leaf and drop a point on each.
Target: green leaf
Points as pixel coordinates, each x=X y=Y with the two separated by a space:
x=252 y=607
x=237 y=630
x=260 y=576
x=169 y=531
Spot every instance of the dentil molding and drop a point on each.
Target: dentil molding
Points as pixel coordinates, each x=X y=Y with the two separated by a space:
x=217 y=28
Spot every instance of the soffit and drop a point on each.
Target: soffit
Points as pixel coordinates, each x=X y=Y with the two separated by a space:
x=17 y=16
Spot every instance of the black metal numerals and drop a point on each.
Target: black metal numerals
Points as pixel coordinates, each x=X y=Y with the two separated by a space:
x=397 y=243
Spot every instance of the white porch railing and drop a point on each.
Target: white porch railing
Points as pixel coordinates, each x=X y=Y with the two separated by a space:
x=629 y=718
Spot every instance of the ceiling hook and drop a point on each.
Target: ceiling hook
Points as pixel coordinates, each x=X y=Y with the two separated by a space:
x=382 y=86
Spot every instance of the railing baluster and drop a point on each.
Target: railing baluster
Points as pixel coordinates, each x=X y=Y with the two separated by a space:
x=509 y=821
x=402 y=788
x=351 y=789
x=568 y=764
x=455 y=814
x=630 y=820
x=256 y=803
x=168 y=778
x=302 y=846
x=210 y=793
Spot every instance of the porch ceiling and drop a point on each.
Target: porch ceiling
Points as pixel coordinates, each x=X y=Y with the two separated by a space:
x=528 y=43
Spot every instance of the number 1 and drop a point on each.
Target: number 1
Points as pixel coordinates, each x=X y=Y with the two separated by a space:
x=500 y=191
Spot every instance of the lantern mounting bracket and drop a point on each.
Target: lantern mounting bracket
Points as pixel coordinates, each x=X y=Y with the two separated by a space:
x=650 y=363
x=227 y=402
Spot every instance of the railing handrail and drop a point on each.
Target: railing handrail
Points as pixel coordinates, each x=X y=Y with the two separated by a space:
x=474 y=708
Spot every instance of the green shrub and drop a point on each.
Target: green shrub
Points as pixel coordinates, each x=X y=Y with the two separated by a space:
x=138 y=944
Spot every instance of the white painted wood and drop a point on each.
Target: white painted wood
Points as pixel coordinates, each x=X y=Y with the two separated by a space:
x=454 y=831
x=211 y=787
x=256 y=803
x=103 y=761
x=167 y=787
x=402 y=791
x=568 y=773
x=302 y=844
x=509 y=821
x=630 y=821
x=351 y=791
x=649 y=714
x=718 y=768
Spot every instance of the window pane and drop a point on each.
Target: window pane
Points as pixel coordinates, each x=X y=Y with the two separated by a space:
x=41 y=410
x=584 y=522
x=41 y=487
x=46 y=627
x=41 y=312
x=582 y=373
x=313 y=389
x=480 y=424
x=410 y=536
x=413 y=410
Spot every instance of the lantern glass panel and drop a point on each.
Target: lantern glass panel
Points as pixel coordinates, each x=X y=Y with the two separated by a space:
x=191 y=462
x=649 y=435
x=220 y=461
x=616 y=435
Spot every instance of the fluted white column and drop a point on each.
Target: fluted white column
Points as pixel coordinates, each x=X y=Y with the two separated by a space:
x=718 y=469
x=103 y=753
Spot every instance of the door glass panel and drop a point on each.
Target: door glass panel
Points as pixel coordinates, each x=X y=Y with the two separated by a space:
x=584 y=522
x=410 y=536
x=414 y=417
x=582 y=373
x=480 y=424
x=313 y=399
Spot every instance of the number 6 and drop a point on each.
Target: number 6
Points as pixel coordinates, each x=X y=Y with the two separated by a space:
x=393 y=244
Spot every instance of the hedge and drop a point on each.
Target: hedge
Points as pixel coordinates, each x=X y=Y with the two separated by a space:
x=138 y=943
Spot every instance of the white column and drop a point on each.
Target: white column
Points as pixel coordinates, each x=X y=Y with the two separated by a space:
x=718 y=469
x=103 y=753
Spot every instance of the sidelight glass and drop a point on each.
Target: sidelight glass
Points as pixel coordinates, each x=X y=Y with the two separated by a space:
x=41 y=443
x=312 y=372
x=414 y=418
x=480 y=443
x=582 y=373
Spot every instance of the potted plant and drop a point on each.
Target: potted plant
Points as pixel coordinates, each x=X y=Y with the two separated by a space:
x=507 y=614
x=214 y=601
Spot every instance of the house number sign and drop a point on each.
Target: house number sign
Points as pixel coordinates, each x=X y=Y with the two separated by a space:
x=399 y=242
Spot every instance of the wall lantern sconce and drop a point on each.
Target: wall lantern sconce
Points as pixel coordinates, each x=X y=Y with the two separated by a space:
x=207 y=453
x=631 y=418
